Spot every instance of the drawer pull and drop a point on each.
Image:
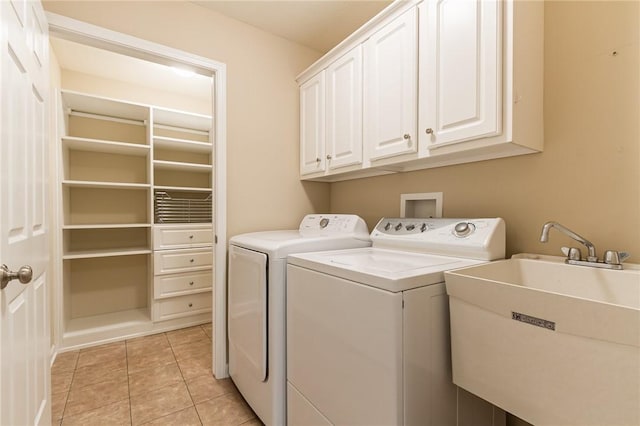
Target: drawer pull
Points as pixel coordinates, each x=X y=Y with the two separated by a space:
x=191 y=237
x=190 y=282
x=190 y=305
x=191 y=261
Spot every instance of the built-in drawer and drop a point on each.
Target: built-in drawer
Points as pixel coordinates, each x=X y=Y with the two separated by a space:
x=171 y=236
x=184 y=260
x=182 y=306
x=180 y=284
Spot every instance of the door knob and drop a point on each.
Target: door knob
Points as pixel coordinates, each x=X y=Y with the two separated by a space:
x=24 y=275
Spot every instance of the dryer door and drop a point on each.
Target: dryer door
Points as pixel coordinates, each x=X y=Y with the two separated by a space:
x=248 y=310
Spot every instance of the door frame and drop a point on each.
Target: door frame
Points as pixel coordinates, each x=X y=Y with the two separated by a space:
x=95 y=36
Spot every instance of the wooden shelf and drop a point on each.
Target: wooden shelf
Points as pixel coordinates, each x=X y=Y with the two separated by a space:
x=105 y=146
x=109 y=108
x=109 y=226
x=186 y=120
x=185 y=167
x=181 y=188
x=105 y=322
x=110 y=185
x=87 y=254
x=181 y=144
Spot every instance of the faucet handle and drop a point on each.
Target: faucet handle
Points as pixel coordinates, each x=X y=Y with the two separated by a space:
x=572 y=253
x=613 y=257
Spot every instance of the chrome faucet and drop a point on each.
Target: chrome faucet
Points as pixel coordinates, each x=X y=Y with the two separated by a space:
x=612 y=259
x=544 y=237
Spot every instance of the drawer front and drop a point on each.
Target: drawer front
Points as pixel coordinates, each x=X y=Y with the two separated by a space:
x=175 y=285
x=168 y=238
x=182 y=306
x=188 y=260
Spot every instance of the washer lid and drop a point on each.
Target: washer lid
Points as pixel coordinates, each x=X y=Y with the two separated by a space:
x=391 y=270
x=280 y=244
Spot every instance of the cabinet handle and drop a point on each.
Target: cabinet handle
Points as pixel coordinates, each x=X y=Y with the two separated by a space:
x=190 y=282
x=407 y=136
x=191 y=237
x=429 y=131
x=190 y=305
x=318 y=160
x=191 y=261
x=328 y=157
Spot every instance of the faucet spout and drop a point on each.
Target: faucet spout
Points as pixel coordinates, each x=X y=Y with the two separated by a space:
x=544 y=237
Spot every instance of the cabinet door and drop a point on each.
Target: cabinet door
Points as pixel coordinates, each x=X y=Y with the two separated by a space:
x=344 y=110
x=312 y=125
x=460 y=70
x=390 y=96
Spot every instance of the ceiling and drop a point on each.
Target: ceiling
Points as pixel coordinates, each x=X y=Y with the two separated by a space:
x=318 y=24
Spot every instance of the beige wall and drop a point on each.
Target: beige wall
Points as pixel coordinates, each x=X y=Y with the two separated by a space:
x=85 y=83
x=587 y=178
x=264 y=191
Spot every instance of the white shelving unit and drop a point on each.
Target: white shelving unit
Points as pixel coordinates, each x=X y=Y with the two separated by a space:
x=114 y=156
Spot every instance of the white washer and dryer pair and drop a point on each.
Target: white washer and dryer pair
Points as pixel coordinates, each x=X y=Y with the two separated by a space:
x=256 y=303
x=368 y=329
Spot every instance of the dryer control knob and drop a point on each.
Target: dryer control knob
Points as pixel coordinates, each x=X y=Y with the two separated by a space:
x=398 y=227
x=462 y=229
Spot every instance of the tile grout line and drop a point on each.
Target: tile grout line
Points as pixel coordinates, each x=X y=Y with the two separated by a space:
x=66 y=398
x=185 y=381
x=126 y=366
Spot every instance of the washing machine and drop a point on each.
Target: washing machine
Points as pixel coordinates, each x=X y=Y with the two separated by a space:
x=256 y=303
x=368 y=329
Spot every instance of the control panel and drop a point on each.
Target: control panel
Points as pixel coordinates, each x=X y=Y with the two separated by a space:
x=332 y=224
x=472 y=238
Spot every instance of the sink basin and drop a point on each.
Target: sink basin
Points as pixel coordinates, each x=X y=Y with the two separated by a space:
x=549 y=342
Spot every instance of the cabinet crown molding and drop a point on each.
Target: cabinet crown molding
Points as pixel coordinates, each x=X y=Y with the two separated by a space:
x=357 y=37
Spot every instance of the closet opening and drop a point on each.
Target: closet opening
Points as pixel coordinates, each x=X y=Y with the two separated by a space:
x=140 y=227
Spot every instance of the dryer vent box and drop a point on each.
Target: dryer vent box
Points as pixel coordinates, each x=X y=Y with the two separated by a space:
x=423 y=205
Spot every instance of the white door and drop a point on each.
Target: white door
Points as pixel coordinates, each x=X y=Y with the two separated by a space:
x=391 y=83
x=24 y=320
x=312 y=116
x=344 y=110
x=460 y=70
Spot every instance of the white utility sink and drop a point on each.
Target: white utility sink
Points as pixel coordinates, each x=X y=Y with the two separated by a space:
x=552 y=343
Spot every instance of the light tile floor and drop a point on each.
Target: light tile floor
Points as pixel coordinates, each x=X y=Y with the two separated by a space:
x=162 y=379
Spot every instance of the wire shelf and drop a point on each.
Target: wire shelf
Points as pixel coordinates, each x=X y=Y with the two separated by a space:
x=174 y=209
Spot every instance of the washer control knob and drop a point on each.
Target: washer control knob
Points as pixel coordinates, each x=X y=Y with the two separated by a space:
x=462 y=229
x=410 y=227
x=387 y=226
x=423 y=227
x=324 y=222
x=398 y=227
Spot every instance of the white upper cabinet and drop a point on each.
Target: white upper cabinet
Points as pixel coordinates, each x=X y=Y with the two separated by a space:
x=312 y=125
x=344 y=110
x=443 y=82
x=390 y=81
x=460 y=70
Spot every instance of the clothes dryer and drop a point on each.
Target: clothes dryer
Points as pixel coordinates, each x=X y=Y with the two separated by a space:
x=368 y=328
x=256 y=308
